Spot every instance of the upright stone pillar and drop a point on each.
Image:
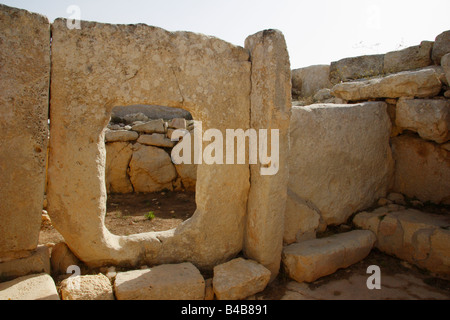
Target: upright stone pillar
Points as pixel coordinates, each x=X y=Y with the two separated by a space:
x=24 y=96
x=270 y=109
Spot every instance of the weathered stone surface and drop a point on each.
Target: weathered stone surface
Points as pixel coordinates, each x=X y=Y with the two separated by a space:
x=154 y=126
x=62 y=258
x=209 y=290
x=24 y=88
x=118 y=157
x=156 y=139
x=137 y=64
x=151 y=169
x=120 y=136
x=441 y=47
x=306 y=82
x=323 y=95
x=37 y=262
x=429 y=118
x=417 y=237
x=356 y=68
x=151 y=112
x=89 y=287
x=445 y=63
x=310 y=260
x=188 y=175
x=165 y=282
x=33 y=287
x=421 y=84
x=177 y=123
x=340 y=161
x=409 y=58
x=422 y=169
x=270 y=109
x=239 y=279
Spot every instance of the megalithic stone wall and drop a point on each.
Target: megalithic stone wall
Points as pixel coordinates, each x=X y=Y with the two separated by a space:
x=24 y=94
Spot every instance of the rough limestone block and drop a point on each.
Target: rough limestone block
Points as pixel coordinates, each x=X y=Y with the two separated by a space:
x=177 y=123
x=306 y=82
x=62 y=258
x=164 y=282
x=154 y=126
x=409 y=58
x=445 y=63
x=340 y=161
x=188 y=175
x=156 y=140
x=356 y=68
x=429 y=118
x=420 y=84
x=120 y=136
x=239 y=279
x=118 y=157
x=422 y=169
x=33 y=287
x=151 y=169
x=37 y=262
x=24 y=94
x=310 y=260
x=89 y=287
x=441 y=47
x=270 y=109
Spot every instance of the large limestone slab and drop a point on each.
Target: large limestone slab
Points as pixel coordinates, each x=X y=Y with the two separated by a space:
x=128 y=65
x=164 y=282
x=409 y=58
x=33 y=287
x=37 y=262
x=422 y=169
x=340 y=161
x=429 y=118
x=24 y=95
x=420 y=84
x=270 y=109
x=310 y=260
x=151 y=112
x=89 y=287
x=120 y=136
x=156 y=139
x=239 y=279
x=306 y=82
x=118 y=157
x=441 y=47
x=356 y=68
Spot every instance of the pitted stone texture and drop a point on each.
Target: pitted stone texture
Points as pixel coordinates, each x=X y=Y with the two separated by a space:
x=118 y=157
x=120 y=136
x=306 y=82
x=33 y=287
x=340 y=162
x=420 y=84
x=356 y=68
x=422 y=169
x=165 y=282
x=409 y=58
x=429 y=118
x=310 y=260
x=103 y=65
x=239 y=279
x=441 y=47
x=24 y=94
x=89 y=287
x=270 y=109
x=37 y=262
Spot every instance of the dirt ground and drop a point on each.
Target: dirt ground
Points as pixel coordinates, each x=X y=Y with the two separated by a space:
x=129 y=214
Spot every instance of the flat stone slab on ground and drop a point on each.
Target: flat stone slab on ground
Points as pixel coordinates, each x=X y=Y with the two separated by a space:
x=33 y=287
x=165 y=282
x=37 y=262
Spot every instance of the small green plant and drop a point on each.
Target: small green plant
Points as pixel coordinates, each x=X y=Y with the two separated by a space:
x=150 y=215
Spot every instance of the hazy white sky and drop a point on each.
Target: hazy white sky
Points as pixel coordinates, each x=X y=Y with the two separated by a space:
x=317 y=32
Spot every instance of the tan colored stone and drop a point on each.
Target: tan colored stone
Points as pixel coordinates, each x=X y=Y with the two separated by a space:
x=409 y=58
x=151 y=169
x=153 y=126
x=209 y=290
x=422 y=169
x=270 y=109
x=356 y=68
x=37 y=262
x=33 y=287
x=421 y=84
x=310 y=260
x=156 y=139
x=24 y=95
x=441 y=47
x=429 y=118
x=340 y=159
x=445 y=63
x=177 y=123
x=138 y=64
x=239 y=279
x=188 y=175
x=118 y=157
x=89 y=287
x=62 y=258
x=306 y=82
x=164 y=282
x=368 y=220
x=440 y=252
x=120 y=136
